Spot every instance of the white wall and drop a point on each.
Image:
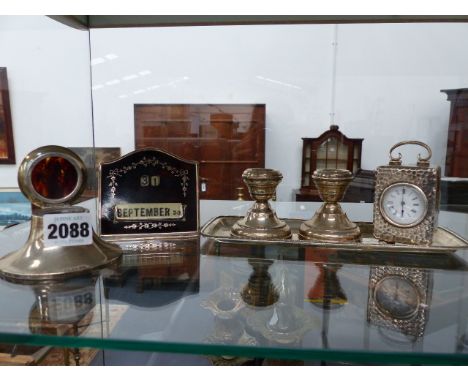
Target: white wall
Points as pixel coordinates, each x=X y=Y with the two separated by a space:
x=49 y=83
x=388 y=82
x=389 y=79
x=218 y=65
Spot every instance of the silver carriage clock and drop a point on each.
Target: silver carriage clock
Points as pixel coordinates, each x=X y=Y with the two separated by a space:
x=406 y=203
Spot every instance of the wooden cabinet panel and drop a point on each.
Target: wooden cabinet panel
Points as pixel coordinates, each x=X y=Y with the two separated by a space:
x=332 y=149
x=224 y=139
x=456 y=160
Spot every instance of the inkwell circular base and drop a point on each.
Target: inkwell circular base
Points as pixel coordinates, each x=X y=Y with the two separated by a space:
x=261 y=221
x=330 y=223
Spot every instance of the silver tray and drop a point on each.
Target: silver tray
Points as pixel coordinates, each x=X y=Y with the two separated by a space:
x=444 y=240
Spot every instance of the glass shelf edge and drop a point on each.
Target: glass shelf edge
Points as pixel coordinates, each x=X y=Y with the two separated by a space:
x=244 y=351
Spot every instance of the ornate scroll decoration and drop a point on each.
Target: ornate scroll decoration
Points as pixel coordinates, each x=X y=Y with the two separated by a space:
x=141 y=226
x=147 y=246
x=118 y=172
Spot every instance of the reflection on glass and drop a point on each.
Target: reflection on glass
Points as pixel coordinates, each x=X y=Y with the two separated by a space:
x=342 y=152
x=341 y=165
x=260 y=290
x=399 y=301
x=397 y=297
x=284 y=322
x=332 y=144
x=327 y=293
x=322 y=151
x=226 y=305
x=462 y=345
x=356 y=153
x=64 y=309
x=321 y=163
x=154 y=267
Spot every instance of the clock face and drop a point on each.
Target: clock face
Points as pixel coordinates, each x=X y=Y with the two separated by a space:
x=403 y=204
x=397 y=297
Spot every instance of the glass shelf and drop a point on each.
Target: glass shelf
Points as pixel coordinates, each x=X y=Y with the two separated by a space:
x=255 y=301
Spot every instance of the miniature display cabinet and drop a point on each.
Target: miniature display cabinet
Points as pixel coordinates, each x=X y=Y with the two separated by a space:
x=331 y=150
x=456 y=162
x=224 y=139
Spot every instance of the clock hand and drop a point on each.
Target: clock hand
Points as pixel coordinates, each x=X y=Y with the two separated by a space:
x=402 y=201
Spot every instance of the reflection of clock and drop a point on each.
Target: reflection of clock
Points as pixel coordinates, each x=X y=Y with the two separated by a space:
x=396 y=296
x=399 y=299
x=406 y=200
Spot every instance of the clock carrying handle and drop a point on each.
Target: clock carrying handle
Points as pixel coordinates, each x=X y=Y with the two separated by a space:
x=422 y=162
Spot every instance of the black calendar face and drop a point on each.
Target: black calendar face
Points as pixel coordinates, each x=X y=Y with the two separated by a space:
x=148 y=192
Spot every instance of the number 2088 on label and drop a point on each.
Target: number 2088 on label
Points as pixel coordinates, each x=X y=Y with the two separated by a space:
x=67 y=229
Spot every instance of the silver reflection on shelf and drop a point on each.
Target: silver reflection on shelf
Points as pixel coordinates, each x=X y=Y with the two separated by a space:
x=226 y=305
x=283 y=323
x=260 y=290
x=64 y=308
x=399 y=300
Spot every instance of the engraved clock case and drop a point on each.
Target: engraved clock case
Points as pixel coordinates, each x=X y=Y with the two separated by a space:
x=406 y=201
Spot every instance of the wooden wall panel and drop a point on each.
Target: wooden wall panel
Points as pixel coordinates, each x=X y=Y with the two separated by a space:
x=224 y=139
